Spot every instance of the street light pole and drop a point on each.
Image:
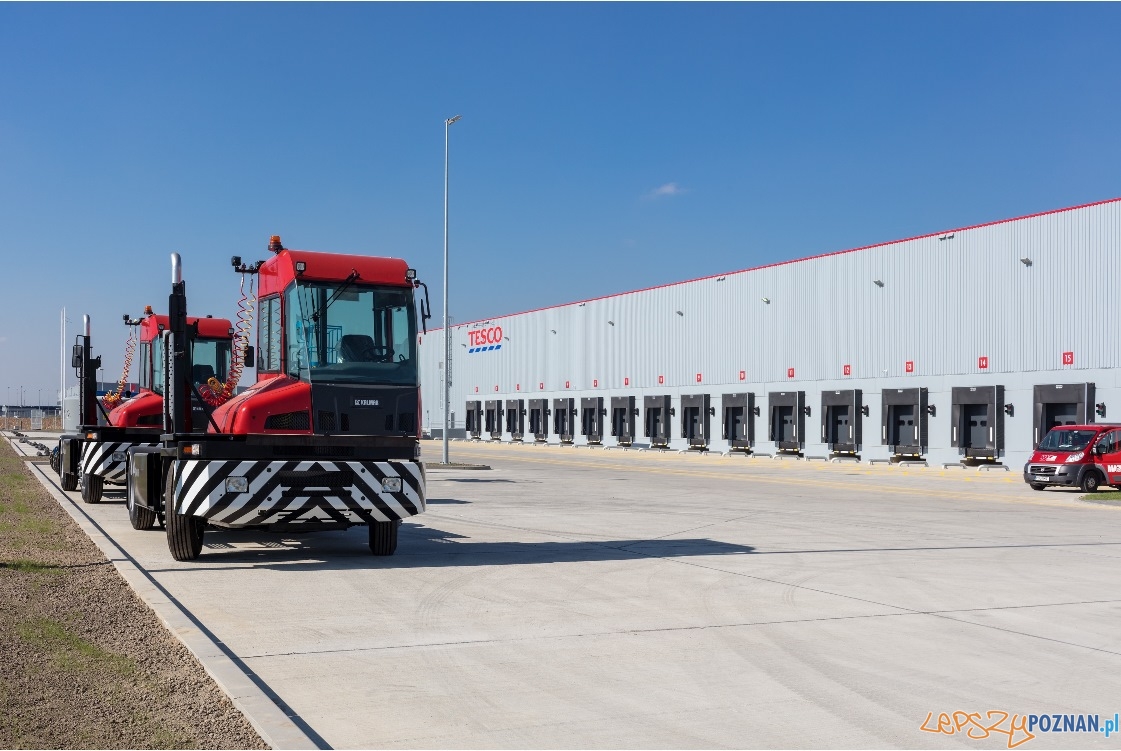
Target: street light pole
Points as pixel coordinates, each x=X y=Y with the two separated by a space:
x=447 y=332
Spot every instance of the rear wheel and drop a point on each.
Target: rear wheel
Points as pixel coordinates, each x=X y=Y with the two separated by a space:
x=184 y=533
x=383 y=537
x=69 y=482
x=1090 y=482
x=92 y=487
x=1037 y=486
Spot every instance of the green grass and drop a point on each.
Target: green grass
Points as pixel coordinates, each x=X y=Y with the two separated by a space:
x=29 y=567
x=1106 y=496
x=70 y=651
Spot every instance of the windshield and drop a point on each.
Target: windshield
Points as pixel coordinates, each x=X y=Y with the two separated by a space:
x=344 y=332
x=1066 y=440
x=210 y=358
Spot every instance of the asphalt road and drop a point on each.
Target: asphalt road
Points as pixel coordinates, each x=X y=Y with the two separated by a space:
x=586 y=598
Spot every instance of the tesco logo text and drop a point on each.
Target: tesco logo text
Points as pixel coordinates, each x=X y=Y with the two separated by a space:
x=478 y=337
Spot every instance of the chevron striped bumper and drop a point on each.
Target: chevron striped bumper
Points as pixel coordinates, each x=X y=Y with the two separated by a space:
x=109 y=459
x=232 y=493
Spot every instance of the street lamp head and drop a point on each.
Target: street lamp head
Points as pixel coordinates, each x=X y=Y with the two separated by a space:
x=451 y=120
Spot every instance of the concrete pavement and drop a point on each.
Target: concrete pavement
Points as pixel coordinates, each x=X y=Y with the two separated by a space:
x=587 y=598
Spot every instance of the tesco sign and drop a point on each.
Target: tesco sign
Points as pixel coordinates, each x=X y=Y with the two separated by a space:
x=479 y=337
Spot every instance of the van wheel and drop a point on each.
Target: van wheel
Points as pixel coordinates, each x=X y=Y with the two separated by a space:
x=1090 y=482
x=1037 y=486
x=184 y=533
x=383 y=537
x=92 y=487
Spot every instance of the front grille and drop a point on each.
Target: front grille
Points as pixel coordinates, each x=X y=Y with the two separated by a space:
x=406 y=422
x=326 y=421
x=344 y=418
x=343 y=478
x=1043 y=469
x=287 y=421
x=389 y=422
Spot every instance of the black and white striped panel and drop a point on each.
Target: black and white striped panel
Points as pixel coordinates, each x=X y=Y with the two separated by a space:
x=98 y=458
x=288 y=491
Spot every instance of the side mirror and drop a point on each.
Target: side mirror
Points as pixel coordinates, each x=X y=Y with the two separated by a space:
x=250 y=354
x=76 y=357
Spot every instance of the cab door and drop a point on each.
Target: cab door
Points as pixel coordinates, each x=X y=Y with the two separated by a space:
x=1107 y=455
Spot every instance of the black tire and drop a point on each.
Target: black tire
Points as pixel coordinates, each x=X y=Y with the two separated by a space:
x=138 y=516
x=184 y=533
x=1090 y=482
x=68 y=481
x=383 y=537
x=56 y=460
x=92 y=488
x=1037 y=486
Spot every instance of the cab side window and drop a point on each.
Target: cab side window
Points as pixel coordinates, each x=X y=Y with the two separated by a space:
x=268 y=336
x=1109 y=443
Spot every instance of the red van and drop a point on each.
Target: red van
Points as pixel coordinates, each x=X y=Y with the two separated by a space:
x=1085 y=456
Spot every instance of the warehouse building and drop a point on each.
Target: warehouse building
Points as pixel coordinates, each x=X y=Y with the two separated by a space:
x=967 y=345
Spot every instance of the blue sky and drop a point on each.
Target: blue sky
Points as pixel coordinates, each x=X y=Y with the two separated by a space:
x=602 y=147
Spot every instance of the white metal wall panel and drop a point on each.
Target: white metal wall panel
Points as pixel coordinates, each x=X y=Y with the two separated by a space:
x=944 y=303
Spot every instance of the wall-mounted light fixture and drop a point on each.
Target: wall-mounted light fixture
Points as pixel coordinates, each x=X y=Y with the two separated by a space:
x=878 y=282
x=947 y=237
x=610 y=323
x=506 y=338
x=680 y=313
x=720 y=278
x=767 y=300
x=553 y=330
x=1026 y=261
x=582 y=304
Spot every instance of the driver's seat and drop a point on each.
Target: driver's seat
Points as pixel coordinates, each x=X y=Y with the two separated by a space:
x=357 y=348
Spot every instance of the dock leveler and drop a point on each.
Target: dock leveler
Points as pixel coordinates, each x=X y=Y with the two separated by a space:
x=515 y=418
x=623 y=413
x=494 y=419
x=539 y=419
x=695 y=412
x=977 y=421
x=474 y=419
x=1061 y=404
x=564 y=415
x=658 y=411
x=841 y=413
x=788 y=420
x=591 y=419
x=904 y=426
x=739 y=412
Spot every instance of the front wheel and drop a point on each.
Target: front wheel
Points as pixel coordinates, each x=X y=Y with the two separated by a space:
x=1090 y=482
x=92 y=488
x=383 y=537
x=184 y=533
x=68 y=481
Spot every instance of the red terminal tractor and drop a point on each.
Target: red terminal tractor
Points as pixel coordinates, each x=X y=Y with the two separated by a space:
x=98 y=453
x=328 y=436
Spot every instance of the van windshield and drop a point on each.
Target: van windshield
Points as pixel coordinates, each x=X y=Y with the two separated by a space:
x=1066 y=440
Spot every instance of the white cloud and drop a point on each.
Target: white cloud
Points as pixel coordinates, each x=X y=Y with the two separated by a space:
x=666 y=191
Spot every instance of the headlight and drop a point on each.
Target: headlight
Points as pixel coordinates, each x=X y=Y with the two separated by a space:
x=391 y=485
x=119 y=456
x=237 y=485
x=1076 y=457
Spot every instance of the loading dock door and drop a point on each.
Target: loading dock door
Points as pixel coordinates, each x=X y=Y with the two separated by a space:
x=474 y=418
x=739 y=420
x=788 y=419
x=591 y=418
x=694 y=419
x=904 y=427
x=622 y=419
x=657 y=419
x=564 y=410
x=494 y=419
x=539 y=419
x=1061 y=404
x=841 y=413
x=977 y=421
x=515 y=418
